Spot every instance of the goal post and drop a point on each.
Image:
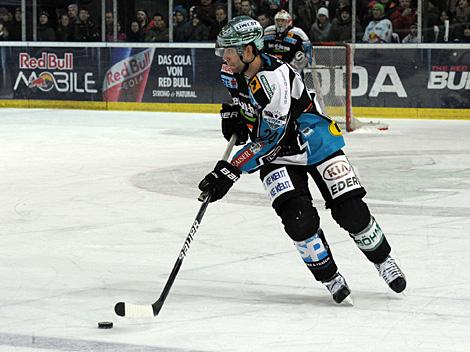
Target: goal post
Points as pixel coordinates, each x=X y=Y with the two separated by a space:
x=329 y=75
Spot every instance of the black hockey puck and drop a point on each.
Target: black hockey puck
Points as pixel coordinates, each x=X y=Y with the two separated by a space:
x=105 y=324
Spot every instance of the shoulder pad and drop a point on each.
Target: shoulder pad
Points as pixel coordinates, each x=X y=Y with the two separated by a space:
x=270 y=62
x=261 y=90
x=299 y=32
x=270 y=30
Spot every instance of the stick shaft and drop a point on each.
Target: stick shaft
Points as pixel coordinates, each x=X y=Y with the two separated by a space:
x=192 y=232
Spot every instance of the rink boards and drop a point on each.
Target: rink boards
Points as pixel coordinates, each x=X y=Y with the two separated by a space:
x=426 y=81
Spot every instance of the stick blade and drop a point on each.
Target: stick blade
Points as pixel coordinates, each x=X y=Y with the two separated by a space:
x=130 y=310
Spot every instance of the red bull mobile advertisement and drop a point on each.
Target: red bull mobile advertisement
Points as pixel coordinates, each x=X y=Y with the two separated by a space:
x=406 y=77
x=56 y=74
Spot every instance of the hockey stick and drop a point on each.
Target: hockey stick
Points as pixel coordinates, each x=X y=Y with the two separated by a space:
x=130 y=310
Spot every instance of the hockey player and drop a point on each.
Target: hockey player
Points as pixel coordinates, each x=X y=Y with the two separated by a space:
x=289 y=44
x=289 y=141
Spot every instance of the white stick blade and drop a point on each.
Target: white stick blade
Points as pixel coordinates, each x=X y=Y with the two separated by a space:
x=138 y=310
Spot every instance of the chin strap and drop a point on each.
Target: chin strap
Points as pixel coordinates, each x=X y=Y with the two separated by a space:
x=247 y=64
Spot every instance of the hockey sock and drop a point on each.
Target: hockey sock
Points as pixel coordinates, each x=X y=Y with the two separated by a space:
x=316 y=254
x=372 y=242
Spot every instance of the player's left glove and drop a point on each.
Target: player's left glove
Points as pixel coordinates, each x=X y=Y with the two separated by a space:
x=233 y=124
x=299 y=61
x=219 y=181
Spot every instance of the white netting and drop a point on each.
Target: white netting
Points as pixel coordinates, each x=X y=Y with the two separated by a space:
x=330 y=76
x=327 y=76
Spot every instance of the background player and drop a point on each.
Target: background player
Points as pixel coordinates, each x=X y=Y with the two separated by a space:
x=288 y=43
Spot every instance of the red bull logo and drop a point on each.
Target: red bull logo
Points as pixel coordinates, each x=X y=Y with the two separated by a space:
x=45 y=82
x=126 y=79
x=47 y=61
x=50 y=73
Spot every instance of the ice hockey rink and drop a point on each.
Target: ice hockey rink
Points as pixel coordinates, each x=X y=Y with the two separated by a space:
x=95 y=207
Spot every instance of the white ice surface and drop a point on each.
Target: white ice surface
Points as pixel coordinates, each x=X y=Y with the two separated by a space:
x=95 y=207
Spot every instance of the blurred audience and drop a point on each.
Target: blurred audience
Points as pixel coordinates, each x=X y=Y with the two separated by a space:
x=136 y=34
x=72 y=12
x=45 y=32
x=64 y=32
x=379 y=29
x=197 y=30
x=85 y=29
x=14 y=25
x=157 y=29
x=341 y=28
x=265 y=20
x=220 y=21
x=321 y=28
x=180 y=24
x=377 y=21
x=3 y=31
x=403 y=17
x=412 y=37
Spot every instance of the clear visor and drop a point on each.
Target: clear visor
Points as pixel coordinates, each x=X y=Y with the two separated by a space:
x=220 y=52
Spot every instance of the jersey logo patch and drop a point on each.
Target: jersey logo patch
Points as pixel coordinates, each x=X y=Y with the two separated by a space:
x=334 y=129
x=339 y=176
x=269 y=90
x=290 y=40
x=254 y=85
x=277 y=182
x=274 y=119
x=226 y=68
x=229 y=81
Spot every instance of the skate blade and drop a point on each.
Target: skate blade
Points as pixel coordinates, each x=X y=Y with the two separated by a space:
x=348 y=301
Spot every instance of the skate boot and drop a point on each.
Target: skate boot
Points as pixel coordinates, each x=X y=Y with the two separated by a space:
x=339 y=289
x=392 y=274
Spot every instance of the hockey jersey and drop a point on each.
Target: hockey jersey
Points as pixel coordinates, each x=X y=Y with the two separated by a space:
x=285 y=45
x=378 y=31
x=283 y=119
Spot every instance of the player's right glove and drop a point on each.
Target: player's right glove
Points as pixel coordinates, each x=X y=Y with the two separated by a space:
x=219 y=181
x=233 y=124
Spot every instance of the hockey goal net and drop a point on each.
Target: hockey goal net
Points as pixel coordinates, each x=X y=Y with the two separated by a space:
x=329 y=75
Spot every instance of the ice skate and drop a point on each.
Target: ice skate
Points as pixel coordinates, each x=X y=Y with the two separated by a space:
x=339 y=289
x=392 y=274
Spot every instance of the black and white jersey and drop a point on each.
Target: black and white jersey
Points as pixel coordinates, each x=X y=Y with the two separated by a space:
x=272 y=105
x=285 y=45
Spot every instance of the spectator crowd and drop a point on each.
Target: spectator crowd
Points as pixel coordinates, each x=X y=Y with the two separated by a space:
x=378 y=21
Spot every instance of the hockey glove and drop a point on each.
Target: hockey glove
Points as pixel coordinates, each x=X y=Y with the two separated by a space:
x=233 y=124
x=299 y=61
x=219 y=181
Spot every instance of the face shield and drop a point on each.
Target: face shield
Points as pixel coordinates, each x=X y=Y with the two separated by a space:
x=282 y=21
x=220 y=51
x=281 y=25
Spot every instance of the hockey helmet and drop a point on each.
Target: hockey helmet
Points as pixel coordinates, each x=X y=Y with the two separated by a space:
x=282 y=20
x=238 y=33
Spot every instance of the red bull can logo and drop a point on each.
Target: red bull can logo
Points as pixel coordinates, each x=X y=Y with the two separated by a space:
x=127 y=78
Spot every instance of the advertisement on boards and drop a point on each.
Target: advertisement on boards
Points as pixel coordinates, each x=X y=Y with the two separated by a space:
x=405 y=78
x=402 y=77
x=55 y=73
